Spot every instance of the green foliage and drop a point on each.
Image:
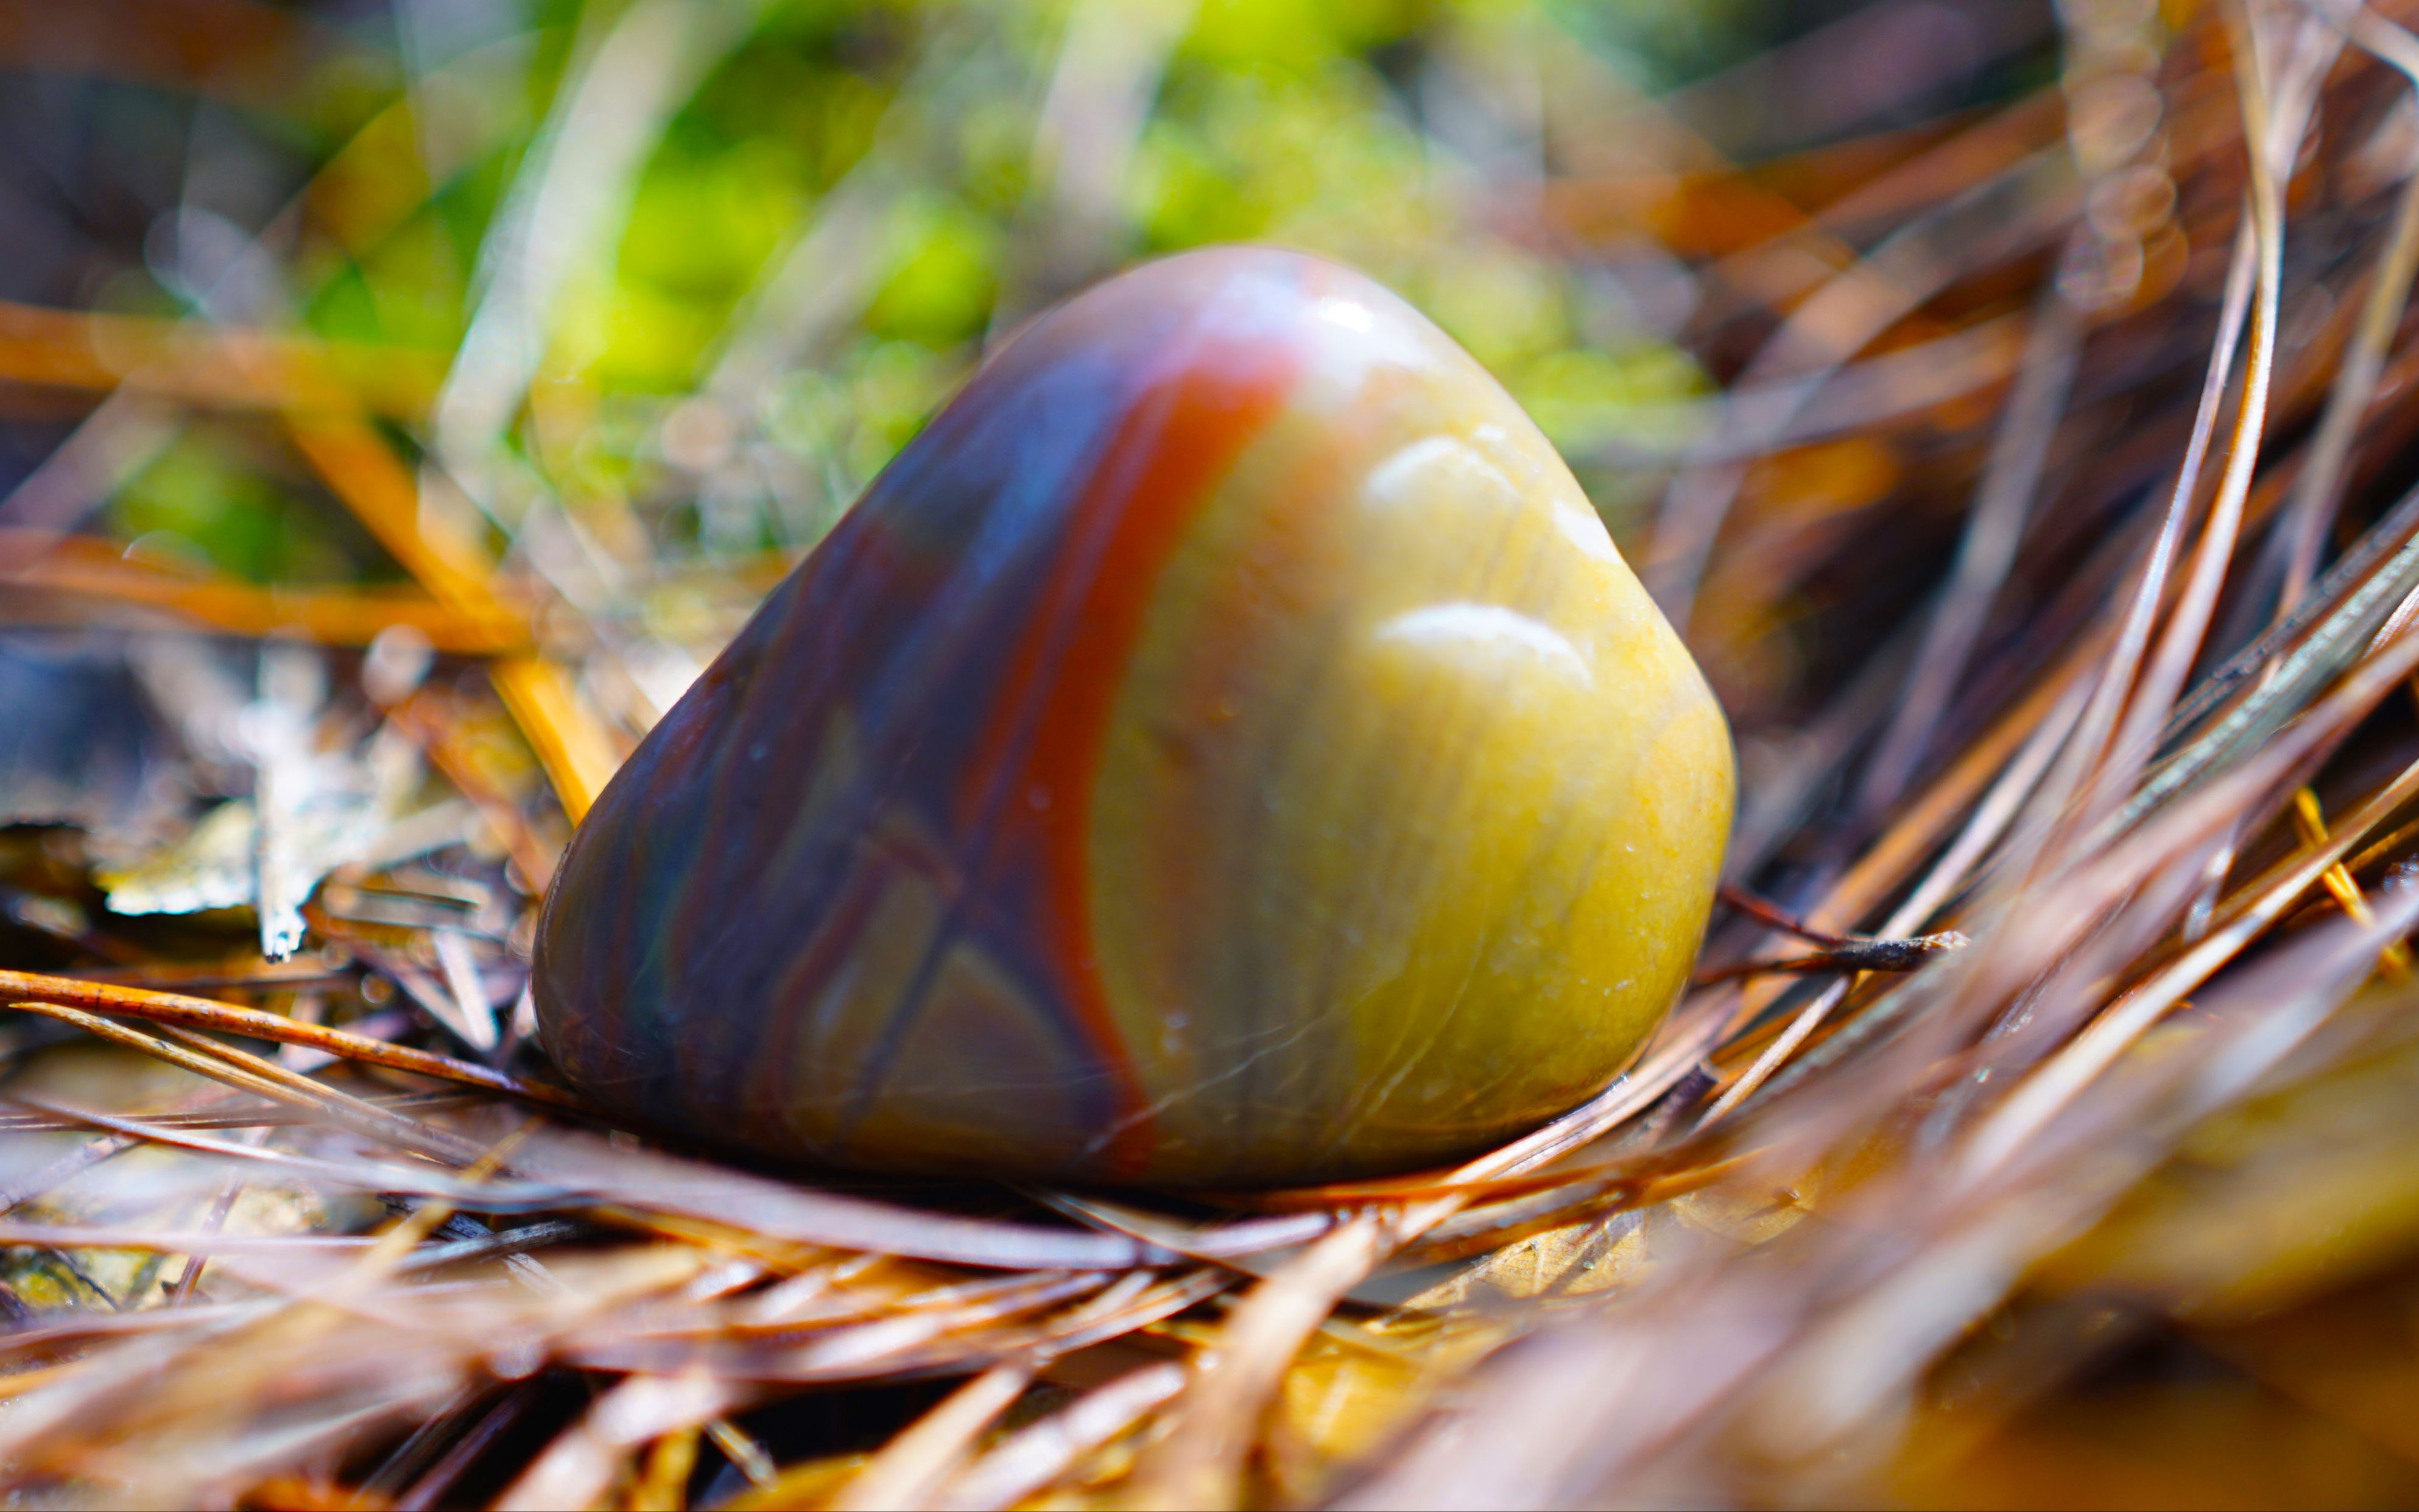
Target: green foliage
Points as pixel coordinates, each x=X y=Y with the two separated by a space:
x=944 y=272
x=1253 y=34
x=1584 y=398
x=1318 y=158
x=1658 y=45
x=212 y=499
x=1303 y=122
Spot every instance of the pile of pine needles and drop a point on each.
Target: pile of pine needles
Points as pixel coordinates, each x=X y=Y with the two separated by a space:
x=2053 y=535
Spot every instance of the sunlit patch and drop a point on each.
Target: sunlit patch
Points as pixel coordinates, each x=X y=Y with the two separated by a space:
x=1487 y=634
x=1583 y=527
x=1350 y=313
x=1360 y=338
x=1436 y=465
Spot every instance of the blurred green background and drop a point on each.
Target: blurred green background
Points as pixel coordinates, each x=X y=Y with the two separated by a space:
x=733 y=254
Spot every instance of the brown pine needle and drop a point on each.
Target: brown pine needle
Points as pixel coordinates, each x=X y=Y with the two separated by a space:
x=201 y=1013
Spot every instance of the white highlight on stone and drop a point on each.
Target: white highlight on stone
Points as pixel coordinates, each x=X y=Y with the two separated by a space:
x=1584 y=529
x=1488 y=634
x=1350 y=313
x=1402 y=475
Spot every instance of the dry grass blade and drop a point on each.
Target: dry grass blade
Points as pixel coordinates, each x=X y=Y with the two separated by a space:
x=914 y=1465
x=578 y=1467
x=1032 y=1457
x=2275 y=117
x=1987 y=553
x=205 y=365
x=201 y=1013
x=775 y=1211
